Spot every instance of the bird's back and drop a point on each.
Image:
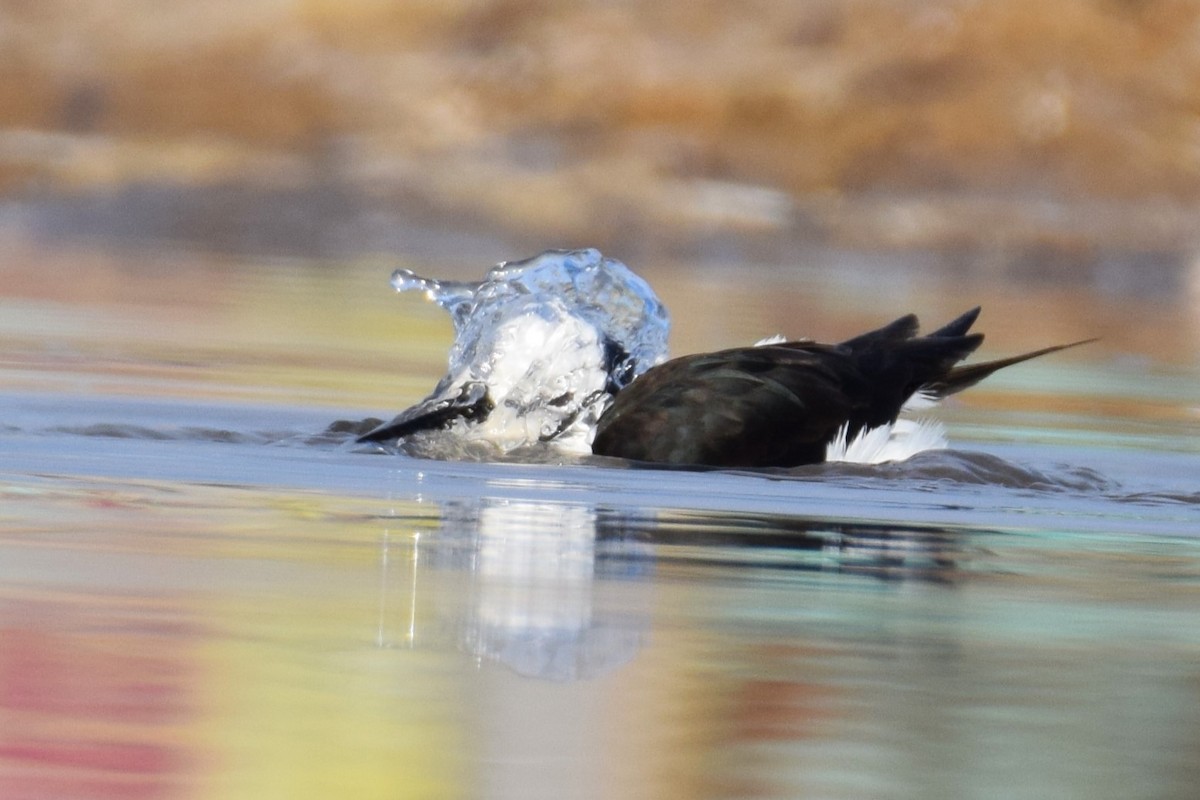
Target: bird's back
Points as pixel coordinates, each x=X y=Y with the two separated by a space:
x=777 y=405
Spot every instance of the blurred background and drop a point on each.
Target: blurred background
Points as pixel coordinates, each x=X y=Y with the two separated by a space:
x=881 y=155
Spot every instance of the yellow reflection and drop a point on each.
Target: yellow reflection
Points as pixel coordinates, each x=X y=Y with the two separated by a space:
x=302 y=703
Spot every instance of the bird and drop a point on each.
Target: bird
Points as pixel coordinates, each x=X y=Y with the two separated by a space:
x=784 y=404
x=533 y=380
x=541 y=346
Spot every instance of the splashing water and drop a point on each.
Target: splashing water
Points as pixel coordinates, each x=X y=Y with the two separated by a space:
x=541 y=346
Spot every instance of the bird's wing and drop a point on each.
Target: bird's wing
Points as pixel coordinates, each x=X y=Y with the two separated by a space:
x=761 y=406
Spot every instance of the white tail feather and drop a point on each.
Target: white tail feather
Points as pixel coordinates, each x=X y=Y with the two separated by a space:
x=895 y=442
x=921 y=400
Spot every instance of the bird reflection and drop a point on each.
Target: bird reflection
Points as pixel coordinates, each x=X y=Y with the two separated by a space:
x=529 y=593
x=561 y=591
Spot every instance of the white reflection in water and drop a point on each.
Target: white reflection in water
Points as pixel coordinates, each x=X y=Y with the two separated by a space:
x=529 y=581
x=530 y=573
x=520 y=583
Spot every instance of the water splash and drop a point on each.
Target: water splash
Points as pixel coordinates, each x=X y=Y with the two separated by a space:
x=540 y=347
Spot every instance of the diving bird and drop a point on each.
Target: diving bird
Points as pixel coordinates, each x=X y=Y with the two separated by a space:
x=785 y=404
x=541 y=345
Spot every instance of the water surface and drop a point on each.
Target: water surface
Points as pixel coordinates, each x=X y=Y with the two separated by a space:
x=202 y=596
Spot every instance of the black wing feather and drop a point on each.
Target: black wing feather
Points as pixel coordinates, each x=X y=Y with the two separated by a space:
x=781 y=405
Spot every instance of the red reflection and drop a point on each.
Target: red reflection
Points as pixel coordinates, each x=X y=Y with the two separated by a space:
x=89 y=708
x=785 y=709
x=782 y=710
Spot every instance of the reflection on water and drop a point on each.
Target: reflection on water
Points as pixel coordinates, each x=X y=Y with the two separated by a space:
x=532 y=571
x=162 y=639
x=204 y=596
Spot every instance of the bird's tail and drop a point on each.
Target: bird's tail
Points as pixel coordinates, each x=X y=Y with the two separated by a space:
x=966 y=376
